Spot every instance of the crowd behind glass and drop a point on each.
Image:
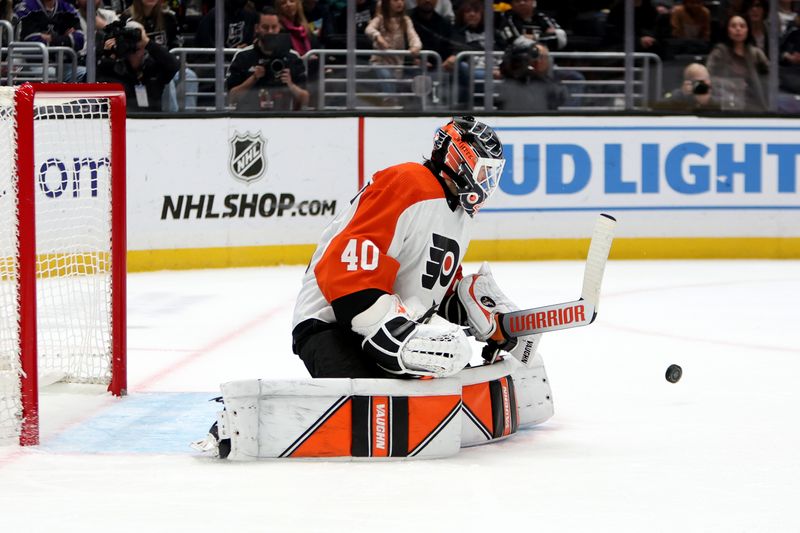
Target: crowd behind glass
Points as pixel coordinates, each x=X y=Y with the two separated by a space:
x=411 y=55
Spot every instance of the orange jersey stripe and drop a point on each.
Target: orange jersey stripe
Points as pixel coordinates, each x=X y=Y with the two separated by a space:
x=357 y=257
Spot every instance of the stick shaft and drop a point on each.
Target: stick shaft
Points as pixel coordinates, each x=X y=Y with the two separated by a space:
x=596 y=258
x=581 y=312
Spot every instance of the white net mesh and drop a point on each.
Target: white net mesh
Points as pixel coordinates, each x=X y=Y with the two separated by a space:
x=73 y=247
x=10 y=406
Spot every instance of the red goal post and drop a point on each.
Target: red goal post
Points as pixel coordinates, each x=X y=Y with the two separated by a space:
x=65 y=281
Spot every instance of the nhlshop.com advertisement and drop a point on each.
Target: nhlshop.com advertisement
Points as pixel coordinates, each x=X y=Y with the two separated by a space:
x=237 y=182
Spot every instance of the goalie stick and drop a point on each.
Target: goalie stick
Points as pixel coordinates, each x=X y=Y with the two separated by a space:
x=581 y=312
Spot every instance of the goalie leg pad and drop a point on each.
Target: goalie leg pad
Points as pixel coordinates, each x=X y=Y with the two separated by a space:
x=381 y=418
x=501 y=398
x=490 y=407
x=534 y=396
x=343 y=418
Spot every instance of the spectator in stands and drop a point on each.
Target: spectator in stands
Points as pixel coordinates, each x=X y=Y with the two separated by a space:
x=789 y=71
x=694 y=94
x=52 y=23
x=365 y=12
x=268 y=76
x=320 y=18
x=731 y=7
x=102 y=18
x=588 y=22
x=435 y=31
x=392 y=29
x=239 y=26
x=161 y=25
x=141 y=65
x=443 y=7
x=159 y=21
x=645 y=27
x=787 y=13
x=470 y=36
x=691 y=28
x=7 y=14
x=523 y=19
x=528 y=84
x=293 y=21
x=738 y=68
x=469 y=32
x=756 y=12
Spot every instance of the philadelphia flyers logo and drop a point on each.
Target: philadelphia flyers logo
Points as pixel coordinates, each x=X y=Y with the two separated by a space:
x=443 y=259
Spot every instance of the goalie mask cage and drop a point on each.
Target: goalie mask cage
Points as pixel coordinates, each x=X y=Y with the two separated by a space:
x=62 y=245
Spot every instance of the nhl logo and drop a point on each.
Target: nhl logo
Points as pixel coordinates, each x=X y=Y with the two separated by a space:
x=248 y=160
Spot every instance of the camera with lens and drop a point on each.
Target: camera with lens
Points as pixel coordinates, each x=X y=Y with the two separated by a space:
x=273 y=66
x=518 y=59
x=700 y=87
x=126 y=42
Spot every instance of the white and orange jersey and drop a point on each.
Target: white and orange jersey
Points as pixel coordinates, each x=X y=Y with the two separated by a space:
x=400 y=235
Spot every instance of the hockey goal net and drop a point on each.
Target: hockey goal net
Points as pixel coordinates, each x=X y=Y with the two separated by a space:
x=62 y=245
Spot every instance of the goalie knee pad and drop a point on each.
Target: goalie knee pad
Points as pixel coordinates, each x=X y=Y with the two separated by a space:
x=402 y=346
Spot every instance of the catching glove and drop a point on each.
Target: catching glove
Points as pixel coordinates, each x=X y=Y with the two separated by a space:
x=402 y=346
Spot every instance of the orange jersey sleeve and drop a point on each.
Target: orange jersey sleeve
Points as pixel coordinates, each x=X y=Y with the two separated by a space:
x=357 y=258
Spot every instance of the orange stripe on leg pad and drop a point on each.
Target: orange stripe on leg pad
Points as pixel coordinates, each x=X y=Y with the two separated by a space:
x=478 y=400
x=332 y=438
x=426 y=414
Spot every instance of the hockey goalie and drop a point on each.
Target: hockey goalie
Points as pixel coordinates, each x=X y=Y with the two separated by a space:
x=382 y=324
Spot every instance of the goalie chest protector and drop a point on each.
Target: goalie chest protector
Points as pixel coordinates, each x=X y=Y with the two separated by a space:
x=401 y=234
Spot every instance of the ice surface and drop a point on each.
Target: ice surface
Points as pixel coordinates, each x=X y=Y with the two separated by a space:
x=625 y=451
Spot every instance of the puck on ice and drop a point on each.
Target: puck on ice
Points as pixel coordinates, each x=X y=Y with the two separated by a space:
x=674 y=373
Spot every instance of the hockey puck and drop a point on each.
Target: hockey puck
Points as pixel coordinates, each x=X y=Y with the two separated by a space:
x=674 y=373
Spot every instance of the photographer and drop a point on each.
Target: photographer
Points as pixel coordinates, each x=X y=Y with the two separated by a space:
x=528 y=84
x=694 y=94
x=269 y=75
x=142 y=66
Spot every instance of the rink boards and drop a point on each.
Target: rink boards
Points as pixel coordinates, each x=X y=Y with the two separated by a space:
x=258 y=191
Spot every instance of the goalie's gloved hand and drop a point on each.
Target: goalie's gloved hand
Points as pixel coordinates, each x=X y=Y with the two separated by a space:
x=482 y=300
x=521 y=348
x=484 y=304
x=400 y=345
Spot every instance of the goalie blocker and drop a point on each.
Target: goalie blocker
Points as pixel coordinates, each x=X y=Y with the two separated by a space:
x=367 y=419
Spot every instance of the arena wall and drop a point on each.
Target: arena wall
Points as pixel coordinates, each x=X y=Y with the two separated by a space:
x=244 y=192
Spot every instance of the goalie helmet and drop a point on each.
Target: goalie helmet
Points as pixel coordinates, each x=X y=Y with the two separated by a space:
x=471 y=155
